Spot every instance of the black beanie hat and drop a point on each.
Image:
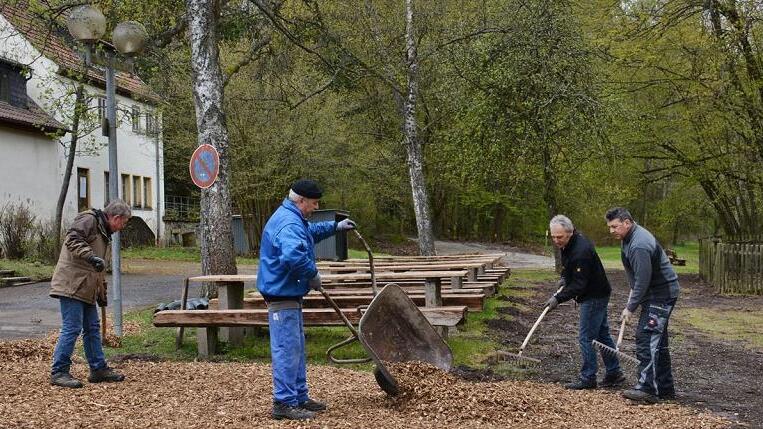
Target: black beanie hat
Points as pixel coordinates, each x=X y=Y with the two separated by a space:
x=307 y=189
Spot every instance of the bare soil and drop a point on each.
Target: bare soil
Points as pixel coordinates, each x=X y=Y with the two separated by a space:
x=711 y=373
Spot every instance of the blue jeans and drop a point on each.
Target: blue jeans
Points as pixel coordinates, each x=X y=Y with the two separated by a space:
x=78 y=317
x=654 y=374
x=287 y=350
x=594 y=326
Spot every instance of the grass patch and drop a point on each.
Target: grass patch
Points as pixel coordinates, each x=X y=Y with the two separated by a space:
x=610 y=257
x=737 y=325
x=36 y=270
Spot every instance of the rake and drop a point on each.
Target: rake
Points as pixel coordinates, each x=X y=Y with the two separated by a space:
x=624 y=358
x=518 y=357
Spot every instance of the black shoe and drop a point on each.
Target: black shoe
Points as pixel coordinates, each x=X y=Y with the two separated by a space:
x=613 y=380
x=64 y=379
x=581 y=385
x=107 y=375
x=668 y=396
x=291 y=412
x=313 y=405
x=640 y=396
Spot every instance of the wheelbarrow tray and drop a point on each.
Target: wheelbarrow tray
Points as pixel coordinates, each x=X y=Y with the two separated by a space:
x=392 y=329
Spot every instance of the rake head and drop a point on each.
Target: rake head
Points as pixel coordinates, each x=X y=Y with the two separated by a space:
x=625 y=359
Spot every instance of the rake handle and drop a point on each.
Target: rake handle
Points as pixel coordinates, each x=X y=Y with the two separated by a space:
x=535 y=326
x=620 y=335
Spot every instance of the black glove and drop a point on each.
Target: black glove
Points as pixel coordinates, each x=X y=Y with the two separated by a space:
x=98 y=263
x=315 y=282
x=551 y=303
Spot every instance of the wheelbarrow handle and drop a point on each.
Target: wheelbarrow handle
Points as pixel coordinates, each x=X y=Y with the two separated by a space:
x=374 y=288
x=350 y=340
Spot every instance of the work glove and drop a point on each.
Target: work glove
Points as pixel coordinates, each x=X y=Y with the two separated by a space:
x=627 y=315
x=98 y=263
x=345 y=225
x=315 y=282
x=551 y=303
x=101 y=296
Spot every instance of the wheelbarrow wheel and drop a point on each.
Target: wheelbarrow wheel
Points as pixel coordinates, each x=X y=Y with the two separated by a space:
x=387 y=385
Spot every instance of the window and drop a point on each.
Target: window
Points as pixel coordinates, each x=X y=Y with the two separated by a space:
x=106 y=188
x=101 y=108
x=148 y=196
x=83 y=189
x=126 y=188
x=136 y=119
x=151 y=125
x=137 y=201
x=5 y=85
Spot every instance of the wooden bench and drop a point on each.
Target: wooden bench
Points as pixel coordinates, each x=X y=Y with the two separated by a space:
x=210 y=320
x=473 y=301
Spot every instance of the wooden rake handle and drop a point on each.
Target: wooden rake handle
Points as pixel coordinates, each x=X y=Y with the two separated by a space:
x=620 y=335
x=535 y=326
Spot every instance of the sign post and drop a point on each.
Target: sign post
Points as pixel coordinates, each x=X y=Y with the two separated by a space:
x=204 y=166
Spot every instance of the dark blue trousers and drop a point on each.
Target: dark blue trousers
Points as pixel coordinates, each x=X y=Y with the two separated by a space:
x=594 y=326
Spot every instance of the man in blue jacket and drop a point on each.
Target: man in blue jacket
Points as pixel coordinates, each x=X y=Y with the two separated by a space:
x=586 y=282
x=654 y=288
x=287 y=272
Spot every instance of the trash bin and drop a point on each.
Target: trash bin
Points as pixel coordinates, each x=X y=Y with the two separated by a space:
x=333 y=248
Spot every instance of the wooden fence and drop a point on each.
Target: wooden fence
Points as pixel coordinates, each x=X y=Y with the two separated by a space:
x=733 y=268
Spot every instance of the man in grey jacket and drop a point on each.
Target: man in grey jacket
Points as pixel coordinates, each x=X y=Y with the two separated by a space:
x=654 y=287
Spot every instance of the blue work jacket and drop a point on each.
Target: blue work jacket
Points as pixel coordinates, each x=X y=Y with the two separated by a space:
x=287 y=256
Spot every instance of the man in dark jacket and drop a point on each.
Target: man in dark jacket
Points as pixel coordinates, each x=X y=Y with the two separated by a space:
x=585 y=280
x=654 y=288
x=79 y=283
x=286 y=273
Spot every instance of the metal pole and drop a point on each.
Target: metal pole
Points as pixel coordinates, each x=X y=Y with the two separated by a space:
x=116 y=259
x=158 y=183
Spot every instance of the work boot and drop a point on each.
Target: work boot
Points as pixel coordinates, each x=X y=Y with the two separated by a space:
x=640 y=396
x=668 y=395
x=291 y=412
x=106 y=374
x=581 y=385
x=613 y=380
x=64 y=379
x=313 y=405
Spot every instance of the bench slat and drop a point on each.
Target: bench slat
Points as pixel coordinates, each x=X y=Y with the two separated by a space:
x=439 y=316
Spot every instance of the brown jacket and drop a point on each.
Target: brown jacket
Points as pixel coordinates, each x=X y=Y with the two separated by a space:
x=74 y=277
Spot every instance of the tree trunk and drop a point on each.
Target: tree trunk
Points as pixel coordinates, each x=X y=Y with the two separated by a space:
x=79 y=106
x=413 y=144
x=549 y=195
x=217 y=252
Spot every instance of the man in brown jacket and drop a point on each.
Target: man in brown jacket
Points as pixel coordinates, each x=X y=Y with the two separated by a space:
x=79 y=283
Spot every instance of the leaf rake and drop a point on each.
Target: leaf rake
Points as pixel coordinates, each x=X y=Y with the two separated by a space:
x=624 y=358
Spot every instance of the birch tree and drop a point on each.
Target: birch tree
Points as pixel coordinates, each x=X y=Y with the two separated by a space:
x=217 y=252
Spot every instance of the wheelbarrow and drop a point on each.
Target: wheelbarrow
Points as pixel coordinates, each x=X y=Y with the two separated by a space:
x=391 y=330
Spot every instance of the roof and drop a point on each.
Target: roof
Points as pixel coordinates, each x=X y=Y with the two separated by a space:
x=31 y=117
x=56 y=44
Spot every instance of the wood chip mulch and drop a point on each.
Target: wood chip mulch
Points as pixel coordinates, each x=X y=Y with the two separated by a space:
x=238 y=395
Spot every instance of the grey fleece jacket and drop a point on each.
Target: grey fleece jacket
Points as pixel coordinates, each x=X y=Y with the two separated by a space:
x=649 y=272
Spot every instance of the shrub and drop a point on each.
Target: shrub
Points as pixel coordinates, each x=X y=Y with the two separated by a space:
x=42 y=246
x=16 y=223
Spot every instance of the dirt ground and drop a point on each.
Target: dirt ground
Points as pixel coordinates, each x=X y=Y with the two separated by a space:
x=710 y=373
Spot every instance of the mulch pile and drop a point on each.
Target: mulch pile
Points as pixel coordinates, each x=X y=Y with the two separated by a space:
x=238 y=395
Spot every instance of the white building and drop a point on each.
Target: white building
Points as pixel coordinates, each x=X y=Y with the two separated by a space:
x=37 y=99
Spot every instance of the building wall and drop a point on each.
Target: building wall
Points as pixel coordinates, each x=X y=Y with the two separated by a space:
x=136 y=151
x=29 y=171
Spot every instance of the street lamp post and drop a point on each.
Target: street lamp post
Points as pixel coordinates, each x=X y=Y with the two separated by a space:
x=88 y=25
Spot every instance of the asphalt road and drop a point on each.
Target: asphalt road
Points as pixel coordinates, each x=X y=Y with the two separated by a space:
x=27 y=311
